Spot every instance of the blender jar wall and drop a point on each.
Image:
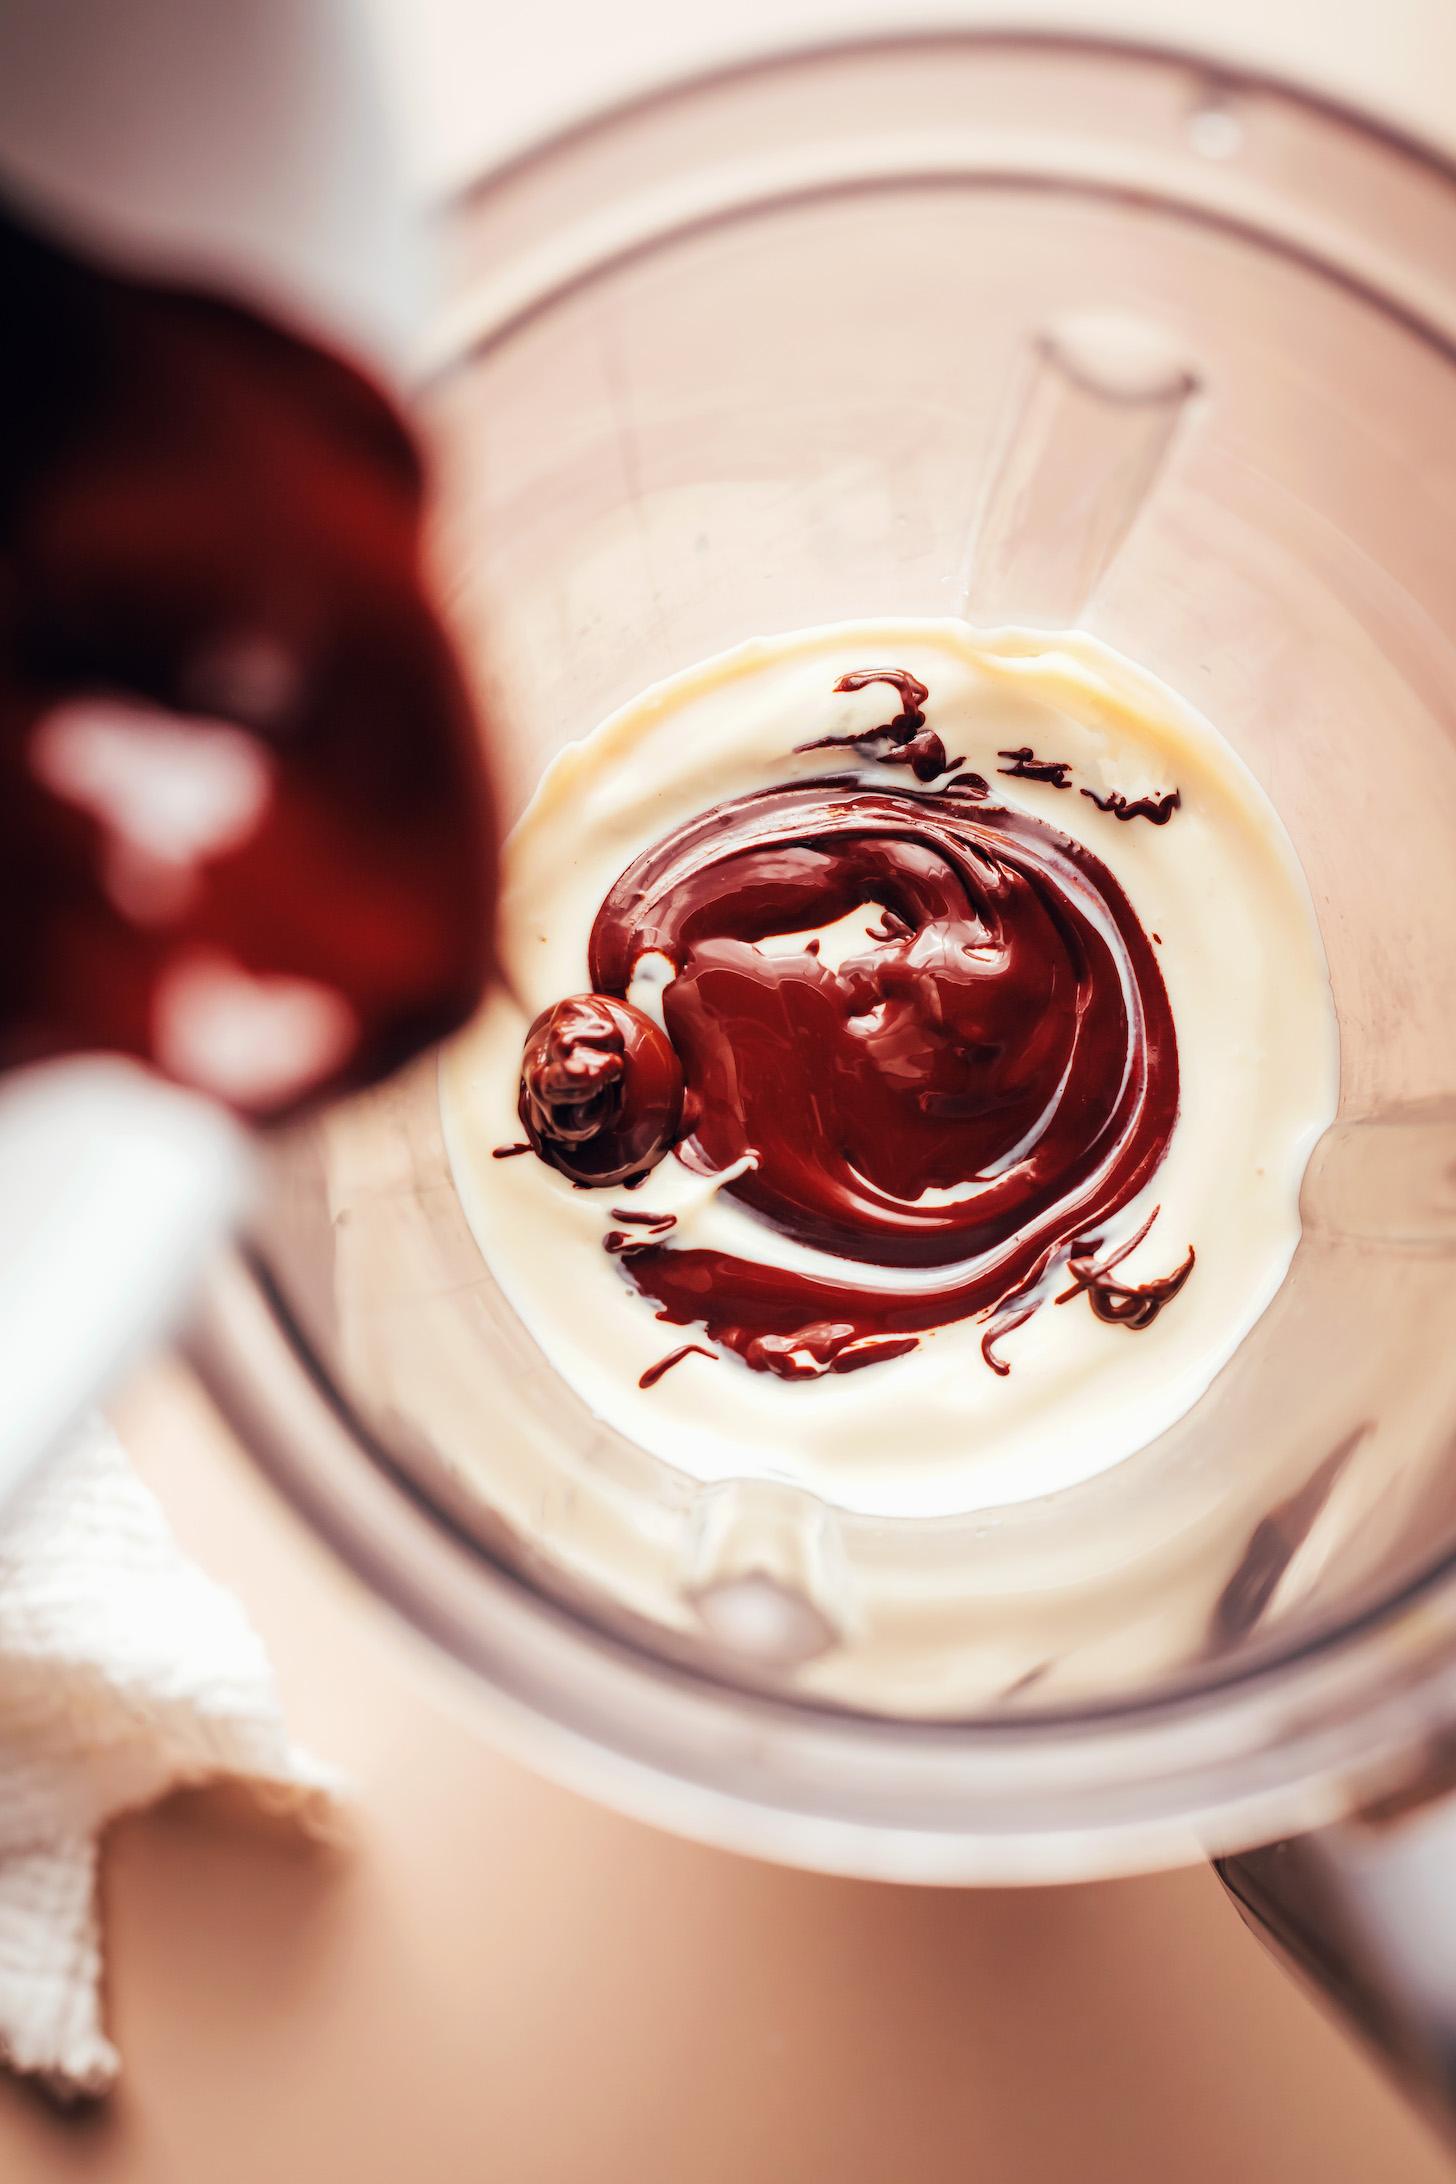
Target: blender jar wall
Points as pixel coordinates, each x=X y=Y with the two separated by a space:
x=756 y=357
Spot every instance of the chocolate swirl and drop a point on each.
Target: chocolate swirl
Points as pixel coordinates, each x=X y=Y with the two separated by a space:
x=991 y=1080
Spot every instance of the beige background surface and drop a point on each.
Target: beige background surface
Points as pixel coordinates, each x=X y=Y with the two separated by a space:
x=492 y=1980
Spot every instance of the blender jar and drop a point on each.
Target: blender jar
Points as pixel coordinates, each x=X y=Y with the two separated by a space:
x=1022 y=329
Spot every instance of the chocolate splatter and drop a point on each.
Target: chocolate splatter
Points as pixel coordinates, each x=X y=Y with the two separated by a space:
x=903 y=741
x=620 y=1240
x=1025 y=766
x=1157 y=809
x=906 y=1070
x=654 y=1373
x=1123 y=1304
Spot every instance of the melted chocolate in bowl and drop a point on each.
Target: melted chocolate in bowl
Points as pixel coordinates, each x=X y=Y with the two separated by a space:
x=601 y=1089
x=982 y=1088
x=854 y=1040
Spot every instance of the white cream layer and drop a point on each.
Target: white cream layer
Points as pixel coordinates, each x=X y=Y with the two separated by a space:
x=1239 y=946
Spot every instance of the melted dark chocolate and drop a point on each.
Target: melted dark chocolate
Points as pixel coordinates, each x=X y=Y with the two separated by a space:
x=903 y=741
x=654 y=1373
x=913 y=694
x=958 y=1107
x=1122 y=1304
x=1005 y=1037
x=1026 y=767
x=1158 y=809
x=1004 y=1322
x=601 y=1089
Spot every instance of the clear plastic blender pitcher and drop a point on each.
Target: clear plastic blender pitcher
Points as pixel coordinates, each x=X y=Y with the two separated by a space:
x=1027 y=330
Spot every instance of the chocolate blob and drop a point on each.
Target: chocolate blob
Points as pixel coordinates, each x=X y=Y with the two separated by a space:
x=601 y=1089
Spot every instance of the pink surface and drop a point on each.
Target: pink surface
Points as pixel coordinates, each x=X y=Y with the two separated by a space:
x=494 y=1980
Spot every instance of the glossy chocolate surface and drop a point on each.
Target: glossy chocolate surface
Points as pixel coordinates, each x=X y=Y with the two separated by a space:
x=601 y=1089
x=989 y=1080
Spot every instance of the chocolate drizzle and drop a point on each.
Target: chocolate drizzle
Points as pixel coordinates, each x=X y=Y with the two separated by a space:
x=957 y=1108
x=903 y=741
x=654 y=1373
x=619 y=1240
x=1122 y=1304
x=993 y=1077
x=1027 y=767
x=1158 y=809
x=1005 y=1322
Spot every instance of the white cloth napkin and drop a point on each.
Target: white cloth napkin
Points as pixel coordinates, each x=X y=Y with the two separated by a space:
x=124 y=1673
